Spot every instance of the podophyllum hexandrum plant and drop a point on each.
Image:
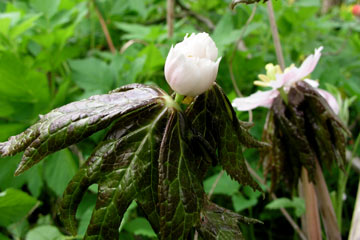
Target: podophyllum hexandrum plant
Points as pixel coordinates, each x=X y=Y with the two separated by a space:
x=306 y=135
x=154 y=152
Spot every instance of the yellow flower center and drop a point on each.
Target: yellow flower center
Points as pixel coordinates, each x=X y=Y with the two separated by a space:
x=271 y=72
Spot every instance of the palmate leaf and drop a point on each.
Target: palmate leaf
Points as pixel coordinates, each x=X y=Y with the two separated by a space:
x=213 y=118
x=153 y=153
x=125 y=167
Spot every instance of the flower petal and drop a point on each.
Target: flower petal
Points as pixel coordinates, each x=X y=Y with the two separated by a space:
x=258 y=99
x=282 y=80
x=309 y=64
x=330 y=100
x=313 y=83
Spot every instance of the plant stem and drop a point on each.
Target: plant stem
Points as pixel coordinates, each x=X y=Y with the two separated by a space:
x=273 y=196
x=326 y=208
x=275 y=35
x=105 y=29
x=283 y=95
x=313 y=227
x=179 y=98
x=170 y=17
x=355 y=229
x=343 y=178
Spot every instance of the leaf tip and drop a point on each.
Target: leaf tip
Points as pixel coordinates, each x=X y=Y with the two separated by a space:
x=20 y=169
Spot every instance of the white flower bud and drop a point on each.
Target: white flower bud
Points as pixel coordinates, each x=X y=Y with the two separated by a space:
x=191 y=66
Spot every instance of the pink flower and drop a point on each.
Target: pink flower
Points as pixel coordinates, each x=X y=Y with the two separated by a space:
x=286 y=80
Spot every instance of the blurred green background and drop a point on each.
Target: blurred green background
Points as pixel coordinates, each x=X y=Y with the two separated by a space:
x=54 y=52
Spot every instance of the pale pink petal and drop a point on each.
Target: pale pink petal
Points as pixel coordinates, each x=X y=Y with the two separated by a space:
x=258 y=99
x=313 y=83
x=330 y=100
x=284 y=79
x=309 y=64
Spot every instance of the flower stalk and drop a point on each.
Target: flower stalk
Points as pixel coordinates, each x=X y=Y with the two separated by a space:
x=283 y=95
x=179 y=98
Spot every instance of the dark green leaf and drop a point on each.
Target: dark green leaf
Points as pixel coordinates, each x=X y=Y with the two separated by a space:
x=58 y=170
x=122 y=165
x=214 y=119
x=180 y=190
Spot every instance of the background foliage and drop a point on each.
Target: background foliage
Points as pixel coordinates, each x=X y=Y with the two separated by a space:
x=55 y=52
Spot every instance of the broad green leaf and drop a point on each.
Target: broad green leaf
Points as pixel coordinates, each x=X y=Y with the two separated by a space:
x=8 y=166
x=92 y=75
x=225 y=185
x=214 y=119
x=35 y=180
x=14 y=206
x=49 y=8
x=6 y=20
x=6 y=110
x=297 y=203
x=71 y=123
x=18 y=230
x=8 y=129
x=24 y=26
x=18 y=83
x=125 y=219
x=134 y=31
x=140 y=226
x=246 y=199
x=58 y=170
x=45 y=232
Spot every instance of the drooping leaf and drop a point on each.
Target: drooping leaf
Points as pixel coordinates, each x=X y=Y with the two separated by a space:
x=327 y=127
x=71 y=123
x=291 y=143
x=214 y=119
x=302 y=131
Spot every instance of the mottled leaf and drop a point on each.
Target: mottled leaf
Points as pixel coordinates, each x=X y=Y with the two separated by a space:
x=302 y=131
x=180 y=190
x=151 y=153
x=122 y=165
x=71 y=123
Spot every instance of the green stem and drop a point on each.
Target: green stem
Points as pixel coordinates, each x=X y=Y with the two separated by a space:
x=283 y=95
x=343 y=177
x=179 y=98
